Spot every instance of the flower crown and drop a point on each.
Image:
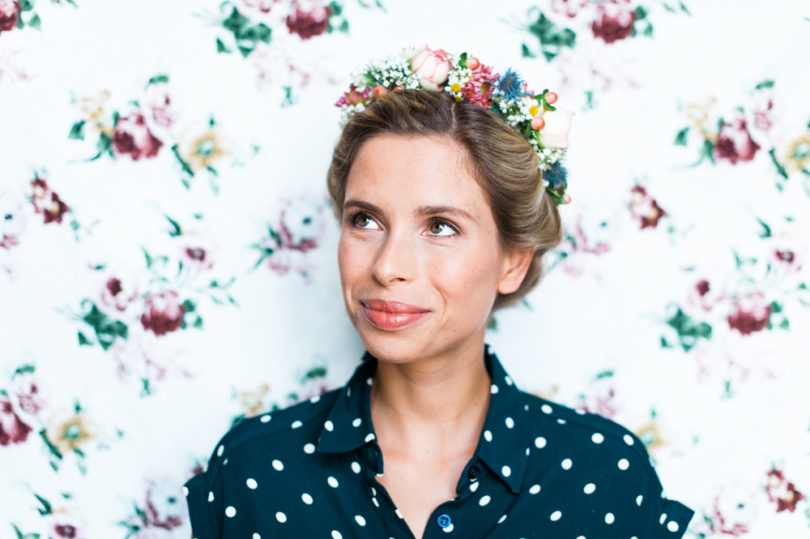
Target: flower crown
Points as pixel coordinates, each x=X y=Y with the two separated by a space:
x=465 y=78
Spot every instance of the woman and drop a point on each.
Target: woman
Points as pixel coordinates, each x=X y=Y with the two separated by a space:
x=444 y=218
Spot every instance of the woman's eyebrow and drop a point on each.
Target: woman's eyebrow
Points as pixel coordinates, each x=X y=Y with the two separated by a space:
x=421 y=210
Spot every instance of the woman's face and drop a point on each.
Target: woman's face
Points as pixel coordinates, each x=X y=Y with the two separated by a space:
x=417 y=229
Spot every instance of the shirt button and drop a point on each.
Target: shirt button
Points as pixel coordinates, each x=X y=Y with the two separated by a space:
x=444 y=521
x=473 y=473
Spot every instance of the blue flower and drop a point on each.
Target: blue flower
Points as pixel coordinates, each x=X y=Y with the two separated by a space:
x=510 y=84
x=556 y=175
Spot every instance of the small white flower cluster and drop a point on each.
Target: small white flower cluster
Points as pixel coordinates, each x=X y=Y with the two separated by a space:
x=391 y=72
x=457 y=76
x=547 y=156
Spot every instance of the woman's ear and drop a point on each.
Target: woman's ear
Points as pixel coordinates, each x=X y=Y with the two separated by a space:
x=516 y=264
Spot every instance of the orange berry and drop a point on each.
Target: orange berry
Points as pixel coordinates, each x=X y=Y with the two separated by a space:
x=379 y=91
x=551 y=97
x=397 y=88
x=567 y=198
x=472 y=62
x=538 y=123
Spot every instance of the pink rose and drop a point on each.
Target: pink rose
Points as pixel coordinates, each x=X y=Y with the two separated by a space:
x=310 y=23
x=615 y=22
x=431 y=67
x=12 y=428
x=9 y=13
x=133 y=138
x=555 y=133
x=734 y=142
x=164 y=313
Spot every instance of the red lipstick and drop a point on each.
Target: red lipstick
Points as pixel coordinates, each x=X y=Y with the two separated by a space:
x=391 y=315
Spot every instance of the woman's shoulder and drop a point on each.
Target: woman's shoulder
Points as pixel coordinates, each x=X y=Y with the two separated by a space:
x=276 y=428
x=580 y=425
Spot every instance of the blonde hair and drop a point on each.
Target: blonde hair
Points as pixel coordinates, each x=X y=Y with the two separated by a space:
x=503 y=163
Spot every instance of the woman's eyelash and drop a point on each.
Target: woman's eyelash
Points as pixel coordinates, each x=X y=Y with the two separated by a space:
x=436 y=220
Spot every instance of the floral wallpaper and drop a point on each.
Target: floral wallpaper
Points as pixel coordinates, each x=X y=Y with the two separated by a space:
x=168 y=254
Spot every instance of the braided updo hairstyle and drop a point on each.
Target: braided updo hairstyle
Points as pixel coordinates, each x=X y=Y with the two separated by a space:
x=503 y=163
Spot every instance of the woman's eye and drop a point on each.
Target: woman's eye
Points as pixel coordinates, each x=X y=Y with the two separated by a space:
x=361 y=220
x=436 y=227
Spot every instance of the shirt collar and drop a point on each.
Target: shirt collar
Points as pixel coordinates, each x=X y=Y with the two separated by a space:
x=504 y=439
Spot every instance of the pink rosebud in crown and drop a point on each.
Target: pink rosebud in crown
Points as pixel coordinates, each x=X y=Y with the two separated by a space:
x=554 y=133
x=431 y=67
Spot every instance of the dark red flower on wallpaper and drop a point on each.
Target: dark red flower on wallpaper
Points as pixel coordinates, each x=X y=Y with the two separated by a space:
x=308 y=23
x=645 y=208
x=12 y=429
x=55 y=210
x=114 y=286
x=734 y=142
x=197 y=254
x=702 y=287
x=785 y=256
x=65 y=530
x=133 y=138
x=9 y=14
x=614 y=22
x=750 y=321
x=782 y=491
x=164 y=313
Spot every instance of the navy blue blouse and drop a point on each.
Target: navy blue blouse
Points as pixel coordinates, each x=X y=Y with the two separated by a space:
x=540 y=469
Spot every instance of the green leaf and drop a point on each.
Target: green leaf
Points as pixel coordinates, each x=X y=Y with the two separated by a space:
x=46 y=505
x=26 y=5
x=158 y=78
x=221 y=47
x=23 y=369
x=648 y=31
x=344 y=26
x=766 y=232
x=84 y=341
x=183 y=164
x=680 y=138
x=77 y=130
x=176 y=230
x=189 y=306
x=768 y=83
x=198 y=322
x=335 y=8
x=779 y=168
x=525 y=52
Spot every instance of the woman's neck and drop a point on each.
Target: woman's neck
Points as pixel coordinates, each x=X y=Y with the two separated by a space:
x=441 y=400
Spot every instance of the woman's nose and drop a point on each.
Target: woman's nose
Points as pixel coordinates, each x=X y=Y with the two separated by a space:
x=396 y=259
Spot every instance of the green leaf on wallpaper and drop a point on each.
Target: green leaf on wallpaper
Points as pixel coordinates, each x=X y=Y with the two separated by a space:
x=235 y=22
x=684 y=8
x=648 y=31
x=77 y=130
x=189 y=306
x=186 y=167
x=46 y=508
x=766 y=230
x=344 y=27
x=176 y=230
x=768 y=83
x=640 y=12
x=551 y=37
x=689 y=331
x=707 y=150
x=24 y=369
x=315 y=373
x=779 y=168
x=84 y=341
x=525 y=52
x=26 y=5
x=335 y=8
x=680 y=138
x=665 y=343
x=198 y=322
x=221 y=47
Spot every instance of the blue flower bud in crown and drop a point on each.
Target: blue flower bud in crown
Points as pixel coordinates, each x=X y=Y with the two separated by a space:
x=464 y=77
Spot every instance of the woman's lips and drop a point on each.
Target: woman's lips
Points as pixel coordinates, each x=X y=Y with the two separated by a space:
x=391 y=314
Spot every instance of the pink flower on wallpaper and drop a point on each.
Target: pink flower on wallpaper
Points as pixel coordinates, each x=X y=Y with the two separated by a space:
x=163 y=507
x=310 y=22
x=600 y=398
x=569 y=8
x=9 y=13
x=782 y=491
x=750 y=315
x=11 y=221
x=645 y=208
x=12 y=429
x=159 y=103
x=164 y=312
x=262 y=6
x=47 y=202
x=734 y=142
x=68 y=531
x=133 y=138
x=728 y=516
x=118 y=293
x=614 y=21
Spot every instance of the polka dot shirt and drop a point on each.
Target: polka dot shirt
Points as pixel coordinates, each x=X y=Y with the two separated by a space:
x=540 y=469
